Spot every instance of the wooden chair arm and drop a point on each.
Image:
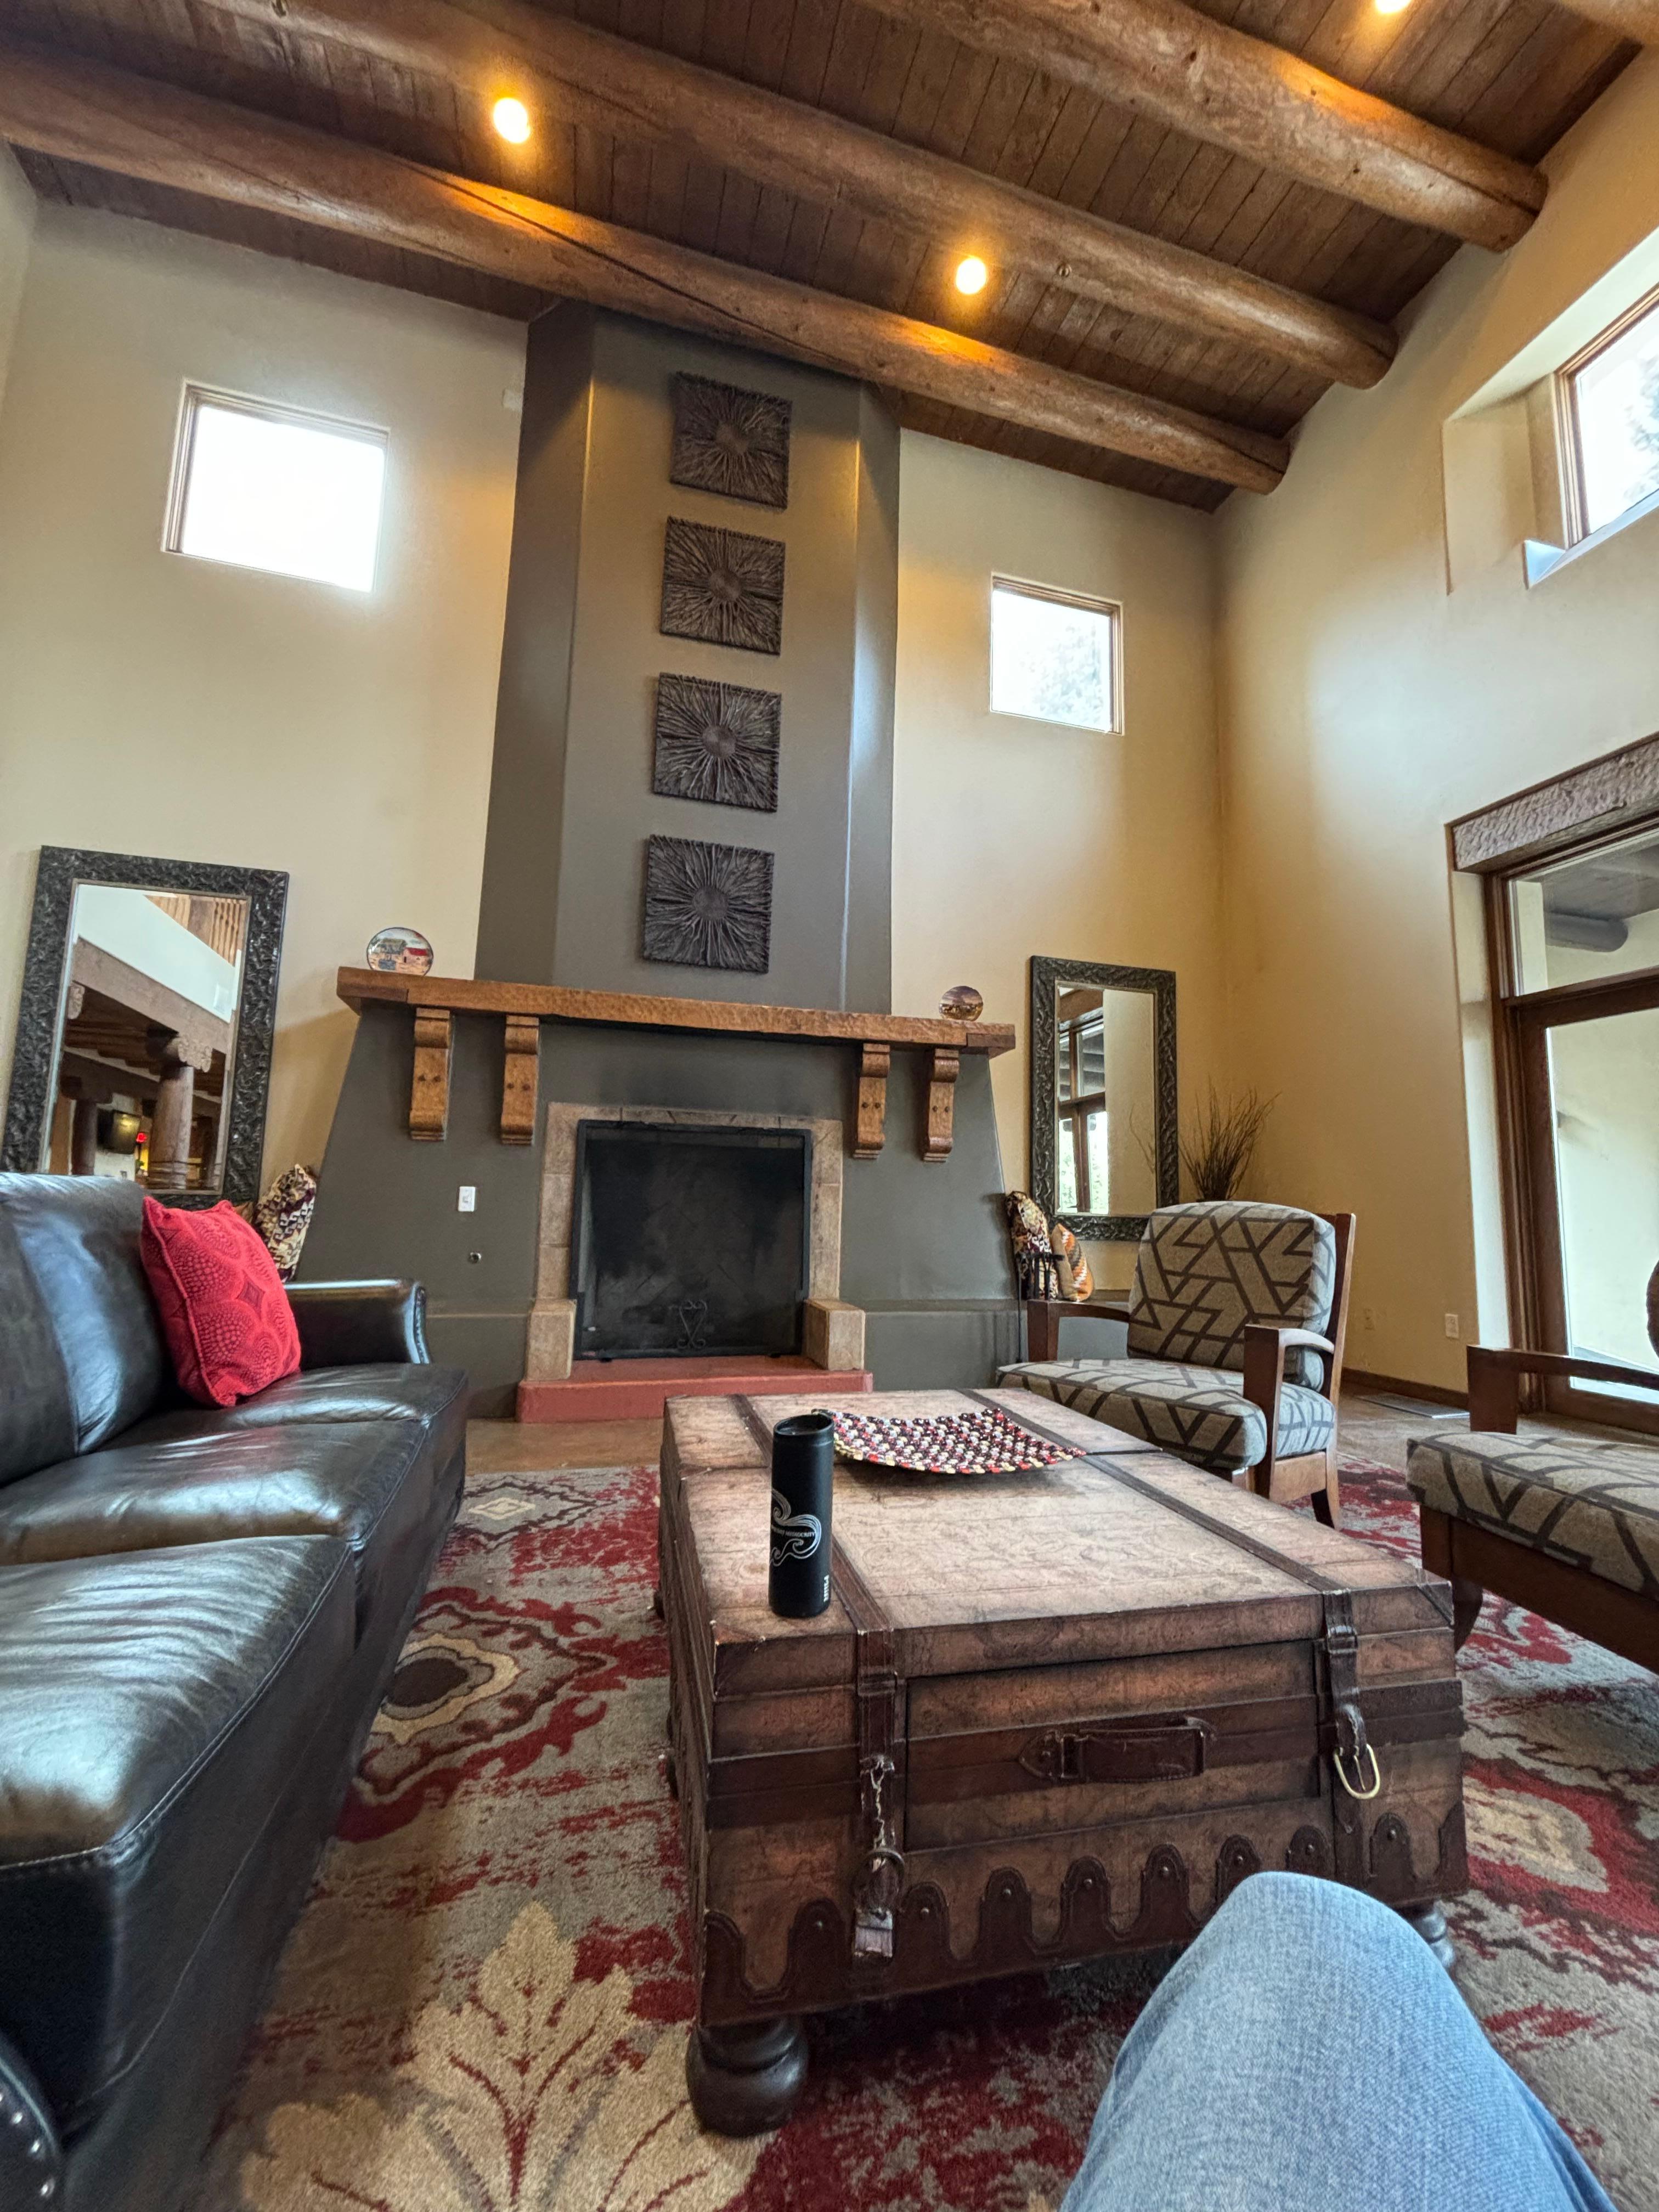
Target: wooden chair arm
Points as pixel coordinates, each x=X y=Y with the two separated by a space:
x=1495 y=1372
x=1043 y=1317
x=1265 y=1348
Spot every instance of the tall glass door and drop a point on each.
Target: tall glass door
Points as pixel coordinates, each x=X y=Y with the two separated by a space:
x=1604 y=1102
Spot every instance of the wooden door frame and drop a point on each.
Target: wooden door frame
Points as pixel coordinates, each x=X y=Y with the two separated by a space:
x=1531 y=1190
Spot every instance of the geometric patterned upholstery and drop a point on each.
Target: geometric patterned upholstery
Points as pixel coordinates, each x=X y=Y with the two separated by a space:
x=1207 y=1270
x=1575 y=1497
x=1198 y=1412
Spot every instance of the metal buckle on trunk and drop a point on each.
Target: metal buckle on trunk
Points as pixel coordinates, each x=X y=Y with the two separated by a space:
x=1354 y=1747
x=879 y=1880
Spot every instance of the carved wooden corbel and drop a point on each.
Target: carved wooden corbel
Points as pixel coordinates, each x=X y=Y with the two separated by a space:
x=938 y=1133
x=520 y=1070
x=428 y=1095
x=871 y=1132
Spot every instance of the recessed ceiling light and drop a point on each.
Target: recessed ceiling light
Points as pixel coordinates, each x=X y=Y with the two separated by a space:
x=1391 y=7
x=971 y=274
x=511 y=118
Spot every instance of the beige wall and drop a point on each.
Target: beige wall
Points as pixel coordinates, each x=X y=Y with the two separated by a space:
x=1013 y=837
x=16 y=230
x=158 y=705
x=1364 y=706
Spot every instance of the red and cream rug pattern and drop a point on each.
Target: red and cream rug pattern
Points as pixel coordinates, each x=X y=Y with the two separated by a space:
x=484 y=2008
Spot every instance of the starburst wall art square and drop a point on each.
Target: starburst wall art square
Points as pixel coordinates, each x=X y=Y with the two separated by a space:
x=717 y=742
x=708 y=906
x=722 y=588
x=730 y=441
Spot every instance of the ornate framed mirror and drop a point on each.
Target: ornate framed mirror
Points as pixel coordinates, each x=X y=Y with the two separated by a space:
x=1105 y=1141
x=144 y=1031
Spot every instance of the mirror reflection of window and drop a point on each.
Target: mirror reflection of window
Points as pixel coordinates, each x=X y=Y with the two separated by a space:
x=146 y=1042
x=1103 y=1101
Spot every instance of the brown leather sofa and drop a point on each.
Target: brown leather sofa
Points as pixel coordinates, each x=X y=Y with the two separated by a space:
x=199 y=1613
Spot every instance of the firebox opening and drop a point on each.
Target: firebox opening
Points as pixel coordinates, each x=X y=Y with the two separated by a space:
x=689 y=1241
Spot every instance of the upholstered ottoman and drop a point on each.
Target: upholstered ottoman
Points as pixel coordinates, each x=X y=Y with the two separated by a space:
x=1565 y=1522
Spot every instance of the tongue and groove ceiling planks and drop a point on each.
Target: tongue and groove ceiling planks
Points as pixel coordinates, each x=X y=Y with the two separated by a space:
x=620 y=140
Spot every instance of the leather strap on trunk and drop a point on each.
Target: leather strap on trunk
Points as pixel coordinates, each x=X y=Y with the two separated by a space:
x=1354 y=1767
x=879 y=1701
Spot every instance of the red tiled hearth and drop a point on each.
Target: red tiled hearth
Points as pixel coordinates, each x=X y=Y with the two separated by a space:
x=637 y=1390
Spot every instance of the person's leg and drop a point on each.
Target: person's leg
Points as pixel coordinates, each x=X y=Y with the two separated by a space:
x=1308 y=2052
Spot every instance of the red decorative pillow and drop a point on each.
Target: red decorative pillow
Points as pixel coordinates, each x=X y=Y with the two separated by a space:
x=225 y=1314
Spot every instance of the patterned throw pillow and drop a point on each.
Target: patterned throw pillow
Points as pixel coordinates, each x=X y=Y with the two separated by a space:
x=1077 y=1280
x=1034 y=1255
x=284 y=1215
x=225 y=1314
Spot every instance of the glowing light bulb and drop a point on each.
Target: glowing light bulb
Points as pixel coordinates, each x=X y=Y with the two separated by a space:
x=1391 y=7
x=971 y=274
x=511 y=118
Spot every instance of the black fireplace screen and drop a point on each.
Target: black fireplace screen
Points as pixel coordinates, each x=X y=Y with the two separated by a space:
x=690 y=1240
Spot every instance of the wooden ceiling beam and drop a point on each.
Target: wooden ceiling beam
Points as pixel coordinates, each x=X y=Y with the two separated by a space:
x=563 y=70
x=80 y=111
x=1631 y=19
x=1161 y=58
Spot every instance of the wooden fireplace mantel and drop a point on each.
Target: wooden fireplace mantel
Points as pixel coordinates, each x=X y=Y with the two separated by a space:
x=434 y=999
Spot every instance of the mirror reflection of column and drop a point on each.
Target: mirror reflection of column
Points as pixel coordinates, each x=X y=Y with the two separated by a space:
x=135 y=1058
x=147 y=1042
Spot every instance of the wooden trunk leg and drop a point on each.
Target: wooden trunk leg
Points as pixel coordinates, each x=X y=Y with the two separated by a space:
x=747 y=2080
x=1429 y=1922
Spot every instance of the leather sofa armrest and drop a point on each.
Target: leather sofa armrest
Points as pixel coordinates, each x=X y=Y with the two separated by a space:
x=348 y=1324
x=31 y=2155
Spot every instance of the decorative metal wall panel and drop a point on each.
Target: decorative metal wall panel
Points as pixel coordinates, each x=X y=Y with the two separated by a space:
x=722 y=588
x=1046 y=975
x=708 y=906
x=717 y=742
x=730 y=441
x=34 y=1059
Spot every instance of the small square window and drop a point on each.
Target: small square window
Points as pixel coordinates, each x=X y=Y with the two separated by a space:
x=267 y=487
x=1055 y=656
x=1612 y=422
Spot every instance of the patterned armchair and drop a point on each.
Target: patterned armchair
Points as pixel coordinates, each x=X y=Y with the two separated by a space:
x=1236 y=1322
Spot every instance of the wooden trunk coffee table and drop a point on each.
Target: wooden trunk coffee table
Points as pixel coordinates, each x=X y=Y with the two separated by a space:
x=1046 y=1716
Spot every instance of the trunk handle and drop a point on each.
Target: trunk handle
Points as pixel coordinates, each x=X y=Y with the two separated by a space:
x=1150 y=1749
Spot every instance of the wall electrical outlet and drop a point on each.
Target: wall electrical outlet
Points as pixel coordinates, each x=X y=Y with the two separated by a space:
x=467 y=1202
x=1368 y=1316
x=1451 y=1325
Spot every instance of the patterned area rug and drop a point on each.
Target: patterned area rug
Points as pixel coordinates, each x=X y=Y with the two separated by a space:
x=484 y=2008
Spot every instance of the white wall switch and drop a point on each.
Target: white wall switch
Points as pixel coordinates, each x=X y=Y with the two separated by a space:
x=467 y=1202
x=1451 y=1324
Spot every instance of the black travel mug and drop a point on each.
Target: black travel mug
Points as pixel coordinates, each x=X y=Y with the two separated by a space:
x=803 y=1482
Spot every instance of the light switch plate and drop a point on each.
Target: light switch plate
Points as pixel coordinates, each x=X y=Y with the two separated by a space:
x=467 y=1202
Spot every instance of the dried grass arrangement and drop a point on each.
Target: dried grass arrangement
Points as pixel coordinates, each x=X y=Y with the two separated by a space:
x=1221 y=1141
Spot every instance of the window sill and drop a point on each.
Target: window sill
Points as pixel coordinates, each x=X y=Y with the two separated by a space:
x=1540 y=561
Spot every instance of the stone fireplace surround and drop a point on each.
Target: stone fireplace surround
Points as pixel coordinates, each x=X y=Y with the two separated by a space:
x=434 y=1102
x=833 y=1334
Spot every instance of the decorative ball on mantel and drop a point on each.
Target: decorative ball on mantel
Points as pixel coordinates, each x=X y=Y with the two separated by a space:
x=399 y=950
x=961 y=1003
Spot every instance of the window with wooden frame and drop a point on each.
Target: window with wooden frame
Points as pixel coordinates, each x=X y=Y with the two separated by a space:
x=1607 y=403
x=259 y=485
x=1056 y=656
x=1573 y=942
x=1081 y=1152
